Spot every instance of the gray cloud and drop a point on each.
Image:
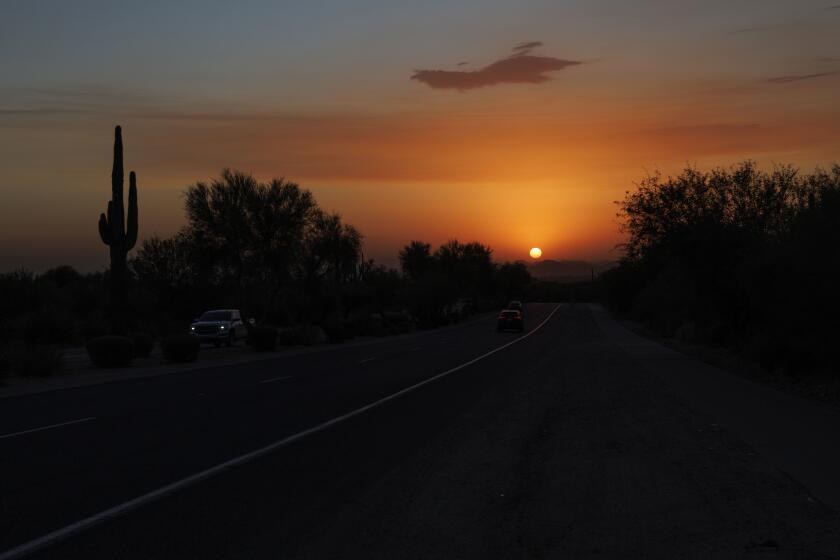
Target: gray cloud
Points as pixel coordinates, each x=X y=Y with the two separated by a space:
x=526 y=47
x=519 y=68
x=800 y=77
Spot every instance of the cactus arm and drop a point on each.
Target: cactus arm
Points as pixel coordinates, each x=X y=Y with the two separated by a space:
x=131 y=222
x=104 y=230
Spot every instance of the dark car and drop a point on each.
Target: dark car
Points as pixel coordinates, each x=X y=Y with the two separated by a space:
x=510 y=319
x=515 y=305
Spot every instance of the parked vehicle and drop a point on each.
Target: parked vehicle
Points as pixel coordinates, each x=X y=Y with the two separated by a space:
x=510 y=319
x=220 y=326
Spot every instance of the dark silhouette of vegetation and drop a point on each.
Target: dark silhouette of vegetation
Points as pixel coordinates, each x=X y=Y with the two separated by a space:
x=416 y=259
x=265 y=248
x=456 y=280
x=110 y=351
x=269 y=248
x=736 y=257
x=182 y=347
x=143 y=344
x=263 y=338
x=119 y=231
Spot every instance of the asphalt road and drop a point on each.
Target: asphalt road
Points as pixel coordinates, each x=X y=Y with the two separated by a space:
x=578 y=440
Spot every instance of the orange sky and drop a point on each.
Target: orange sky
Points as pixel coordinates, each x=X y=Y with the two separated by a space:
x=516 y=148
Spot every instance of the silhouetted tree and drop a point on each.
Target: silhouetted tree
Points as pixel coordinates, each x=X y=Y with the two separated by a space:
x=332 y=252
x=282 y=214
x=338 y=246
x=219 y=220
x=254 y=232
x=416 y=259
x=512 y=281
x=739 y=257
x=382 y=285
x=476 y=271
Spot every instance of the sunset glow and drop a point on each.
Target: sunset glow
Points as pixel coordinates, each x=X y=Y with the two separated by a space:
x=414 y=123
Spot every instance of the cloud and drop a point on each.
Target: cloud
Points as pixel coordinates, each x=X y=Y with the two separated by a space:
x=519 y=68
x=800 y=77
x=526 y=47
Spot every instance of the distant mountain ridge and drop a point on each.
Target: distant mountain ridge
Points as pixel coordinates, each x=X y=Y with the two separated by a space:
x=567 y=270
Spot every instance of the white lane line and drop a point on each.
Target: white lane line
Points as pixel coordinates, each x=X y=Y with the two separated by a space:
x=273 y=379
x=50 y=427
x=366 y=360
x=163 y=491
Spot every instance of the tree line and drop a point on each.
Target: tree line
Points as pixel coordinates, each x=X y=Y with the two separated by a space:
x=737 y=257
x=269 y=249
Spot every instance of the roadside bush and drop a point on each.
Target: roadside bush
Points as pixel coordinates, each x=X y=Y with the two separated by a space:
x=41 y=360
x=370 y=325
x=96 y=324
x=143 y=344
x=338 y=330
x=301 y=335
x=398 y=322
x=262 y=338
x=110 y=351
x=47 y=326
x=180 y=347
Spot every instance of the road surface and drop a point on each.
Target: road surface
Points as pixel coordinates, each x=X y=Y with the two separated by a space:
x=578 y=440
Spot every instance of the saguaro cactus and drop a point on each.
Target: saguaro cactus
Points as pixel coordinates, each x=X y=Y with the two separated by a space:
x=117 y=230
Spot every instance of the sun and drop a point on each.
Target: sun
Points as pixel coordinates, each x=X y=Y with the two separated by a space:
x=535 y=252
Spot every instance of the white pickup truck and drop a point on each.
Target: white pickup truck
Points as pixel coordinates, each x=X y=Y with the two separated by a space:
x=219 y=326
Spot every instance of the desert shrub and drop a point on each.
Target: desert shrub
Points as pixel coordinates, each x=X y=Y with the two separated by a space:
x=304 y=335
x=289 y=337
x=143 y=344
x=262 y=338
x=398 y=322
x=110 y=351
x=96 y=324
x=40 y=360
x=338 y=330
x=369 y=325
x=180 y=347
x=47 y=326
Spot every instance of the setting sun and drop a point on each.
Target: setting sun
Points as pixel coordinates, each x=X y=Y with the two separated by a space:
x=535 y=252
